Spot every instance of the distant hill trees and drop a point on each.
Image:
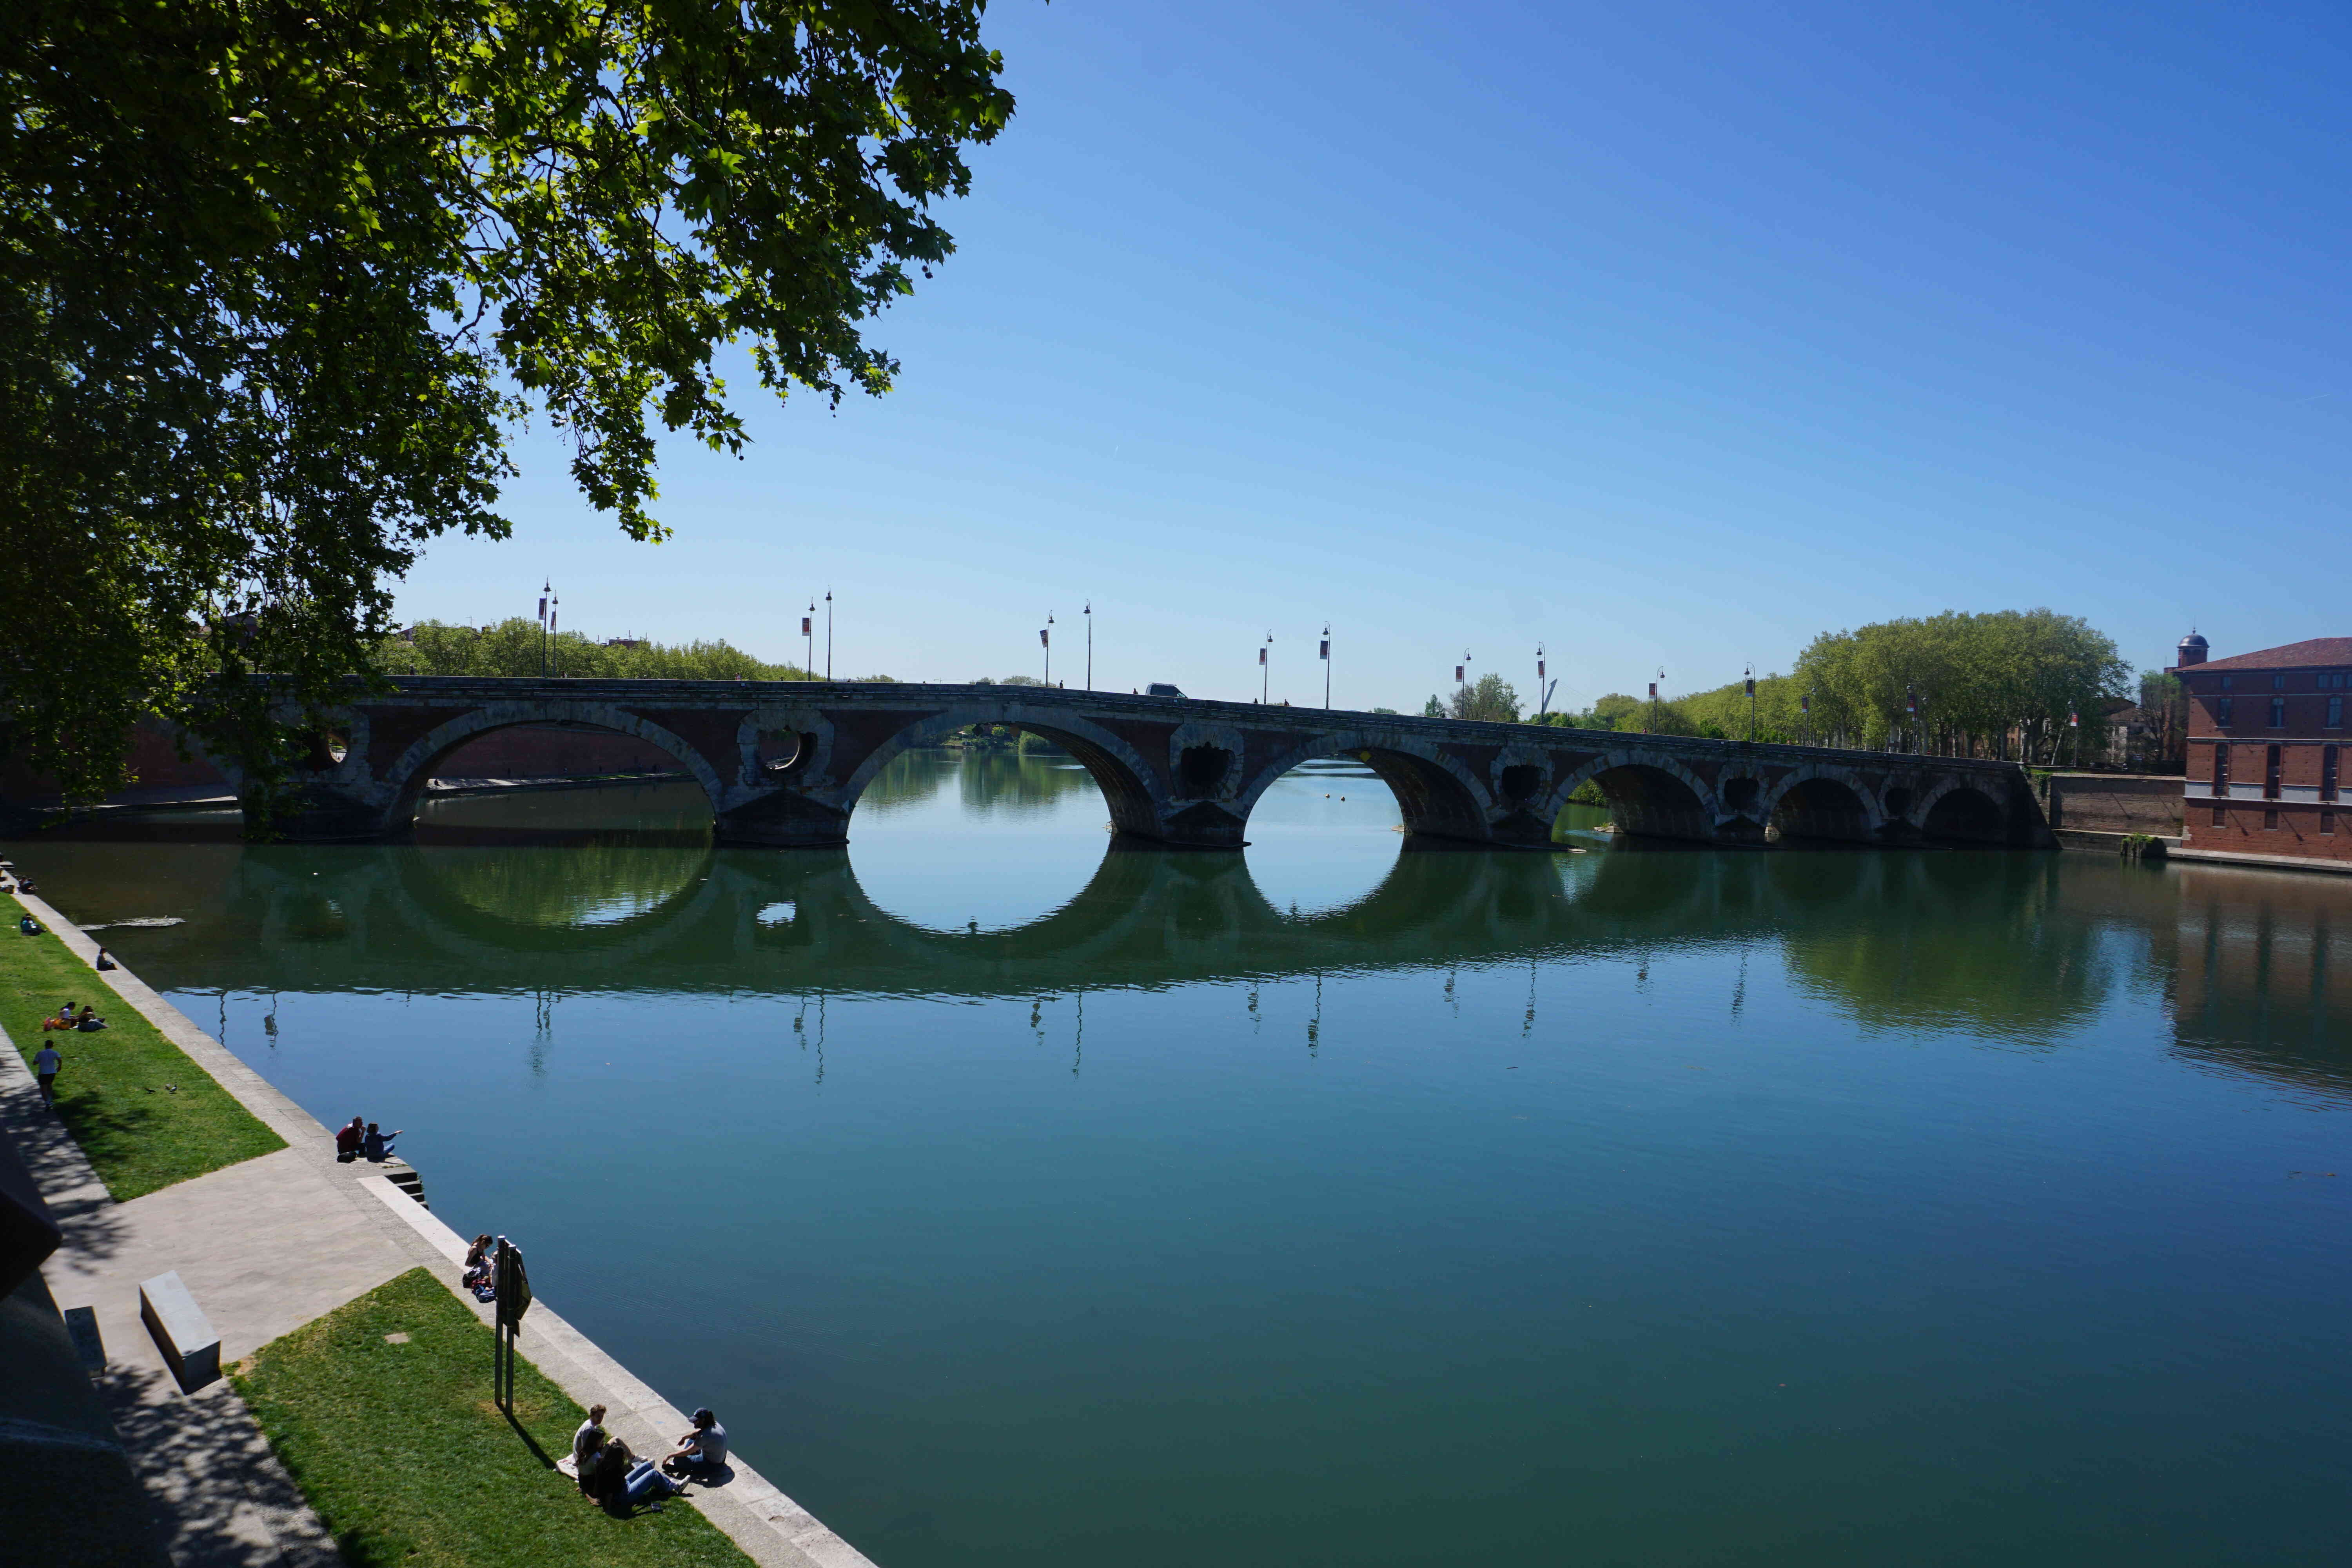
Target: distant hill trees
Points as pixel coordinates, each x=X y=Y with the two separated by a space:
x=514 y=647
x=1998 y=684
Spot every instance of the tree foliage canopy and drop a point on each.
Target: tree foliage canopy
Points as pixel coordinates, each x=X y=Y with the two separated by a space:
x=1490 y=698
x=517 y=648
x=1978 y=680
x=277 y=279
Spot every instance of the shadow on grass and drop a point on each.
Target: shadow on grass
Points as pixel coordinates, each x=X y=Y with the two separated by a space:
x=381 y=1412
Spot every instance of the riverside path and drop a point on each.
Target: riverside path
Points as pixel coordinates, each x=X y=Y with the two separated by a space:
x=784 y=762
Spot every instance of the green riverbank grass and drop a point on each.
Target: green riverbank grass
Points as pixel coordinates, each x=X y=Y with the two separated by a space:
x=144 y=1114
x=403 y=1455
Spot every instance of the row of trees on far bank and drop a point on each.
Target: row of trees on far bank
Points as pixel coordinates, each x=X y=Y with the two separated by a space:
x=2000 y=684
x=517 y=647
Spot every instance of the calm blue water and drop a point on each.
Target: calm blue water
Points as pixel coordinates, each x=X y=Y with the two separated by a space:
x=1018 y=1199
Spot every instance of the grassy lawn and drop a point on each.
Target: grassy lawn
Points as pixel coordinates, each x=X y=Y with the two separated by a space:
x=407 y=1460
x=139 y=1133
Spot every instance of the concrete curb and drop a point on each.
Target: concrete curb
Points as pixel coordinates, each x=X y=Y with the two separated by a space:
x=2263 y=862
x=751 y=1510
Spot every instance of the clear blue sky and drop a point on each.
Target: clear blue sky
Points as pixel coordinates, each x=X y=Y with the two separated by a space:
x=1669 y=334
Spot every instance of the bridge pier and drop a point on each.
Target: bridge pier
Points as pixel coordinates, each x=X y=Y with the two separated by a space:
x=785 y=819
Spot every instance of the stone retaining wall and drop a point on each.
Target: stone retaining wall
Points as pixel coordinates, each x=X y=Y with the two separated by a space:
x=2113 y=803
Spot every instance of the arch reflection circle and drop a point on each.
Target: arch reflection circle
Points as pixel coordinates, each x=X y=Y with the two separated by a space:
x=917 y=822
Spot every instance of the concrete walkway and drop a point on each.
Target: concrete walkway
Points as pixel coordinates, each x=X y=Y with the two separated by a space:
x=265 y=1246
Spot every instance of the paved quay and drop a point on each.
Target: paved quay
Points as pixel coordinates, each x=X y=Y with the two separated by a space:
x=265 y=1246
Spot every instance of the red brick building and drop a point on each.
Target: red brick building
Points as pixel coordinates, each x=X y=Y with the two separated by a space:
x=2266 y=750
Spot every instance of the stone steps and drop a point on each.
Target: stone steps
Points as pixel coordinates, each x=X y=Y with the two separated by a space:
x=403 y=1175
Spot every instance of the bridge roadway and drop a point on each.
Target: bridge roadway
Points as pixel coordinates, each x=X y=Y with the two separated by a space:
x=784 y=764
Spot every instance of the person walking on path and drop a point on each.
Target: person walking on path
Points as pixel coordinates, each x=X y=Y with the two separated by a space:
x=45 y=1063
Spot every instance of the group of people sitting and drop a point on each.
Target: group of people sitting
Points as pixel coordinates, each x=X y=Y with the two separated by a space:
x=362 y=1140
x=87 y=1020
x=611 y=1475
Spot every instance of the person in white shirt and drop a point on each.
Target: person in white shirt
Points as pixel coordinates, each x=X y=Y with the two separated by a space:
x=45 y=1063
x=586 y=1444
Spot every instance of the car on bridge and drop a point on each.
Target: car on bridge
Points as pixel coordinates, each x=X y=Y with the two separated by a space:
x=1161 y=688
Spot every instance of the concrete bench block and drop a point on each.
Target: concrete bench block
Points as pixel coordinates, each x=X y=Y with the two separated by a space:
x=182 y=1331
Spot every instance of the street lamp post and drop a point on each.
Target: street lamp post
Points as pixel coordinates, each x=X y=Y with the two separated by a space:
x=1089 y=612
x=1653 y=699
x=808 y=630
x=828 y=634
x=1045 y=641
x=1543 y=698
x=1324 y=653
x=1748 y=675
x=1265 y=688
x=544 y=590
x=547 y=644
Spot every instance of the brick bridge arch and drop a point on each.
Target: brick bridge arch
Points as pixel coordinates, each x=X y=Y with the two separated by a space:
x=405 y=780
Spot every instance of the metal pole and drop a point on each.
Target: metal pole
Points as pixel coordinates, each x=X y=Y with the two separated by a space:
x=828 y=634
x=1089 y=612
x=1326 y=667
x=808 y=630
x=1264 y=680
x=1543 y=696
x=1748 y=675
x=1045 y=639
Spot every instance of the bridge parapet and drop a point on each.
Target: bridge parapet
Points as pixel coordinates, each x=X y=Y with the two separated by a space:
x=784 y=764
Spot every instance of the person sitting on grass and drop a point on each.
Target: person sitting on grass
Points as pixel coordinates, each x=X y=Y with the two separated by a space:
x=91 y=1022
x=377 y=1145
x=701 y=1452
x=609 y=1480
x=347 y=1141
x=29 y=926
x=588 y=1447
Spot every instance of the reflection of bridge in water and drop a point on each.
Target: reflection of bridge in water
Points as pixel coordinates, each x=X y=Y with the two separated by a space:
x=2020 y=950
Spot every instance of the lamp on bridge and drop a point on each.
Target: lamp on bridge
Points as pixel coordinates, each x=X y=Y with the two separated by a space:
x=1264 y=692
x=808 y=630
x=1323 y=652
x=1045 y=641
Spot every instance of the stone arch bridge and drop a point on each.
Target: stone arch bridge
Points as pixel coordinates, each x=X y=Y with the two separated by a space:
x=784 y=764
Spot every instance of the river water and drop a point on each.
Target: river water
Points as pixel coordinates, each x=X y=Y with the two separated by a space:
x=1018 y=1199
